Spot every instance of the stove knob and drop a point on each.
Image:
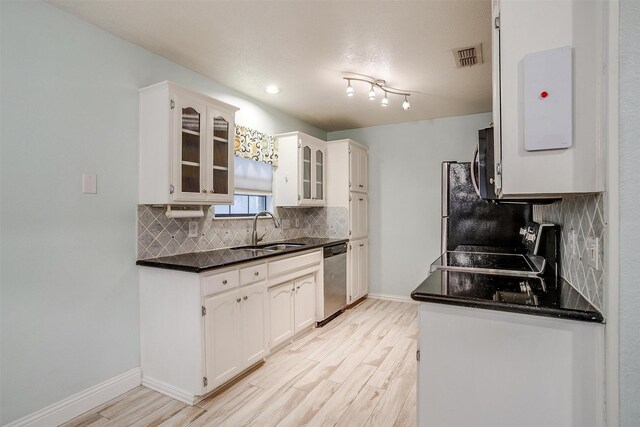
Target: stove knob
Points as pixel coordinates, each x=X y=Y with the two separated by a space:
x=523 y=231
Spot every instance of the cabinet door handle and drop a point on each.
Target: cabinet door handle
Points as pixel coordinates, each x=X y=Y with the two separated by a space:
x=238 y=300
x=361 y=244
x=360 y=185
x=224 y=282
x=211 y=191
x=204 y=191
x=362 y=200
x=245 y=297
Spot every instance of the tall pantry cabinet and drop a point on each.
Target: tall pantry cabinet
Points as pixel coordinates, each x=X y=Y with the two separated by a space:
x=348 y=187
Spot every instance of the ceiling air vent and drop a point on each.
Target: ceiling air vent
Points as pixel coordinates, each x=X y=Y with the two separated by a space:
x=468 y=56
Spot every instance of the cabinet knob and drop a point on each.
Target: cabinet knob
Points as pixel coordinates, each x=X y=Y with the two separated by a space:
x=224 y=282
x=257 y=273
x=204 y=191
x=211 y=191
x=361 y=244
x=245 y=297
x=360 y=185
x=297 y=287
x=238 y=300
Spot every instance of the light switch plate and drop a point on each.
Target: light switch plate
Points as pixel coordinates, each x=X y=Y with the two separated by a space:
x=573 y=242
x=593 y=252
x=297 y=222
x=89 y=183
x=193 y=228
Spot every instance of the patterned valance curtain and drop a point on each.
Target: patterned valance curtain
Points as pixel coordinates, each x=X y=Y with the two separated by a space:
x=254 y=145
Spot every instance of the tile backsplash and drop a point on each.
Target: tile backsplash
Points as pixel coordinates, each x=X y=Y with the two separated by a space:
x=160 y=236
x=586 y=215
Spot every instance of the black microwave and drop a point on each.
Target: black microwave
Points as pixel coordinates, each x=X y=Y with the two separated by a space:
x=483 y=172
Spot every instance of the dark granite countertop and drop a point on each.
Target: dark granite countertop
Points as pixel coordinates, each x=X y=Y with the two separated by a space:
x=197 y=262
x=536 y=296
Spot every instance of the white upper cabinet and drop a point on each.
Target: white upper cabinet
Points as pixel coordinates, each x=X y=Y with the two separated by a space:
x=185 y=148
x=299 y=179
x=549 y=103
x=358 y=168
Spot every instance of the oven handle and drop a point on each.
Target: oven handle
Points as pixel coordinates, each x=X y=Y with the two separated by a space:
x=474 y=170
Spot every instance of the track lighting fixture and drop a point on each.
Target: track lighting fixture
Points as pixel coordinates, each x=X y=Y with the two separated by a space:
x=377 y=84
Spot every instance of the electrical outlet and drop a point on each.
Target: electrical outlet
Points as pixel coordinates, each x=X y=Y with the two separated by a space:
x=193 y=228
x=297 y=222
x=286 y=224
x=89 y=183
x=593 y=252
x=573 y=242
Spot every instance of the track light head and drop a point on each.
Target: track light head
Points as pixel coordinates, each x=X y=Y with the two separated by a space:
x=406 y=105
x=350 y=90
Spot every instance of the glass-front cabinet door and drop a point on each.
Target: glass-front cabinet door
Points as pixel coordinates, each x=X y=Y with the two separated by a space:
x=319 y=175
x=306 y=166
x=312 y=173
x=220 y=157
x=189 y=174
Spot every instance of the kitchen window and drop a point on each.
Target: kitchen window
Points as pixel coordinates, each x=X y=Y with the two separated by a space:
x=245 y=205
x=253 y=187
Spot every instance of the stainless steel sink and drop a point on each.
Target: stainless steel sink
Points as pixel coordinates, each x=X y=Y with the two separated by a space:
x=252 y=248
x=269 y=247
x=254 y=251
x=283 y=246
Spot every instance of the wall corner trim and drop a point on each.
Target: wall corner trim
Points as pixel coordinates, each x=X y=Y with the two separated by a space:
x=69 y=408
x=395 y=298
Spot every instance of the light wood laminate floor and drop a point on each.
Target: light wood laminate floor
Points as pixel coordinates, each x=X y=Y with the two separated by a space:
x=358 y=370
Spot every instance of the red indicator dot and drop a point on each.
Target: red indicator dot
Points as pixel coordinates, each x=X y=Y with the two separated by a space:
x=544 y=94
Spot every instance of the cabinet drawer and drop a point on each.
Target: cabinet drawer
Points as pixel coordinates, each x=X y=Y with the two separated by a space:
x=253 y=274
x=283 y=266
x=220 y=282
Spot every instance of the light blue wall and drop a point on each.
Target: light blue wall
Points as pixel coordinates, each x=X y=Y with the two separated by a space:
x=68 y=279
x=404 y=194
x=629 y=213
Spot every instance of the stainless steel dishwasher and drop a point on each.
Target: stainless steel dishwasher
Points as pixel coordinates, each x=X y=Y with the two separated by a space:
x=335 y=281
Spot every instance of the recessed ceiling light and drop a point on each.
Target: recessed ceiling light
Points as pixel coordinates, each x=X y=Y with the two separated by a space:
x=272 y=89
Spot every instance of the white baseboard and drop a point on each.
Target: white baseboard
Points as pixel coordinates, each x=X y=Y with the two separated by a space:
x=388 y=297
x=69 y=408
x=171 y=391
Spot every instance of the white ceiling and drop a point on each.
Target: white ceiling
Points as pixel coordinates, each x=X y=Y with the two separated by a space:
x=305 y=46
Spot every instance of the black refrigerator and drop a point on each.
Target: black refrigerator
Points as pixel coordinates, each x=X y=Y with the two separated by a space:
x=470 y=223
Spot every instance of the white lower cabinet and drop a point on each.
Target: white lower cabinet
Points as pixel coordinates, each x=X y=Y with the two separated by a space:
x=305 y=303
x=253 y=313
x=235 y=332
x=280 y=313
x=292 y=307
x=222 y=337
x=198 y=331
x=357 y=270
